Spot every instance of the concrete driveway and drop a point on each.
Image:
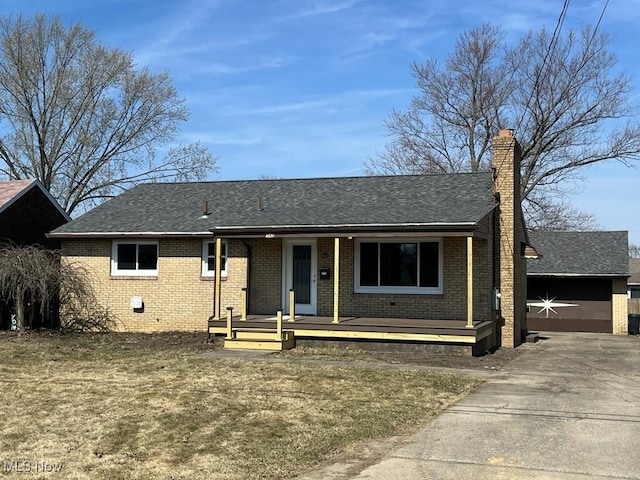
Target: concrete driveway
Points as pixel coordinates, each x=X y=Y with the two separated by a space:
x=568 y=408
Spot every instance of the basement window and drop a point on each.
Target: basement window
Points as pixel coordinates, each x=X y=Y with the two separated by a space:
x=134 y=258
x=412 y=266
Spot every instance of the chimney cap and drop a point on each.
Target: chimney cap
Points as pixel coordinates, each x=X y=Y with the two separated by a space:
x=505 y=132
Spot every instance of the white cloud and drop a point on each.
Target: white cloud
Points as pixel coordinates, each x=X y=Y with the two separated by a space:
x=319 y=8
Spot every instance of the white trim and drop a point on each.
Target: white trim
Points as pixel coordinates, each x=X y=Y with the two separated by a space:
x=116 y=272
x=398 y=290
x=287 y=276
x=205 y=272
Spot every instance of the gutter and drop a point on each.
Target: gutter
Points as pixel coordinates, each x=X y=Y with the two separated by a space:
x=577 y=275
x=344 y=230
x=68 y=235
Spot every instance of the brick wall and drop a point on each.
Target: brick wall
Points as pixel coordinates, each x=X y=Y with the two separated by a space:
x=451 y=304
x=179 y=298
x=512 y=264
x=620 y=307
x=265 y=291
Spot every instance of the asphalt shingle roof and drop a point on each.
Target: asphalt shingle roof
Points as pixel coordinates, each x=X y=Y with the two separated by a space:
x=580 y=253
x=378 y=200
x=634 y=270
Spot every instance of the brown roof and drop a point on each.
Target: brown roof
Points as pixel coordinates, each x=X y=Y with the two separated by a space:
x=10 y=189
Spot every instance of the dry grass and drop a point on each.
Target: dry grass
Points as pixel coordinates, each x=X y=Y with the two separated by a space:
x=115 y=406
x=353 y=353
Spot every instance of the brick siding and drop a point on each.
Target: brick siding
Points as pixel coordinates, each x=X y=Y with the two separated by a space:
x=179 y=298
x=620 y=307
x=266 y=283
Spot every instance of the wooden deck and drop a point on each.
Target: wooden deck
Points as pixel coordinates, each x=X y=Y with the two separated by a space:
x=365 y=328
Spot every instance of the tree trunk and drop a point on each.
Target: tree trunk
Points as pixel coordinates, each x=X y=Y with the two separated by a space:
x=20 y=310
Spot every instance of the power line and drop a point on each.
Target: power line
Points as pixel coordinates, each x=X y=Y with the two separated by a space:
x=595 y=30
x=550 y=48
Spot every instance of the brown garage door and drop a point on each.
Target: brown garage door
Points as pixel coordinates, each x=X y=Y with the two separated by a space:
x=569 y=304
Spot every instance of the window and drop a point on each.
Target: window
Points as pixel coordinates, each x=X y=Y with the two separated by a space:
x=398 y=266
x=209 y=259
x=134 y=258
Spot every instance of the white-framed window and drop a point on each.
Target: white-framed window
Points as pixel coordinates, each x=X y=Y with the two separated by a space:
x=135 y=258
x=411 y=266
x=209 y=259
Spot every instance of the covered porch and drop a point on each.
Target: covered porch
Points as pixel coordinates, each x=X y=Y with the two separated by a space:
x=317 y=288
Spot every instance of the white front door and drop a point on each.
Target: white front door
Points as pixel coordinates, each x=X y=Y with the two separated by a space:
x=300 y=267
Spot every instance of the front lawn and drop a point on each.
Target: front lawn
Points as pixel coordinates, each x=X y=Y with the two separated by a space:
x=135 y=406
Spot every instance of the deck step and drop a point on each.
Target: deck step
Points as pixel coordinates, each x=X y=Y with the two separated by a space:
x=253 y=340
x=255 y=332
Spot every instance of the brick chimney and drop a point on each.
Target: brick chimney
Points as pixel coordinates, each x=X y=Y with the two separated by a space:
x=512 y=268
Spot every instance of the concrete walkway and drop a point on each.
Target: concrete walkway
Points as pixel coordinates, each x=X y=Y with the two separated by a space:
x=568 y=408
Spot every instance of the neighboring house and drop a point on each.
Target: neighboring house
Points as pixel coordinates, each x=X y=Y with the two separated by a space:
x=432 y=258
x=27 y=213
x=633 y=286
x=579 y=284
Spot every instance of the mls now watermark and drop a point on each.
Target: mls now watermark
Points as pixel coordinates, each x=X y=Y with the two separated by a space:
x=27 y=466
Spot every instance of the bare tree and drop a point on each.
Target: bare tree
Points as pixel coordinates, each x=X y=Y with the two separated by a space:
x=634 y=250
x=561 y=94
x=28 y=274
x=557 y=215
x=39 y=277
x=82 y=119
x=80 y=310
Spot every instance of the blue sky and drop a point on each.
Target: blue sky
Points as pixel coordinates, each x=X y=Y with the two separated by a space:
x=301 y=88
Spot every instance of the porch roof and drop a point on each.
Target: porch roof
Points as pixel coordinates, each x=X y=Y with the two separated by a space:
x=447 y=202
x=353 y=230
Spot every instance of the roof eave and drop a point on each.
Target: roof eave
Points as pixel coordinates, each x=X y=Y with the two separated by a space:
x=79 y=235
x=345 y=229
x=590 y=275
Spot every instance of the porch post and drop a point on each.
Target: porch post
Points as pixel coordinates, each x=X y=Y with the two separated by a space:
x=218 y=278
x=279 y=324
x=469 y=282
x=292 y=305
x=336 y=280
x=229 y=322
x=243 y=301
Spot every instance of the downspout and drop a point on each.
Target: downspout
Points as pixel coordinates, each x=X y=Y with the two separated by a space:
x=497 y=266
x=248 y=279
x=495 y=240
